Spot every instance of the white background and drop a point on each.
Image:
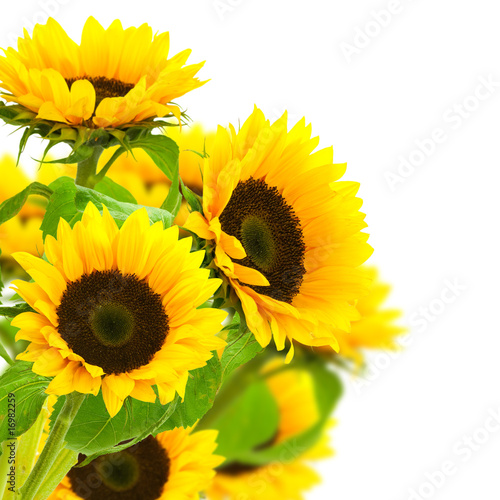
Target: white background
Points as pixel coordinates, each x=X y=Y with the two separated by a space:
x=373 y=98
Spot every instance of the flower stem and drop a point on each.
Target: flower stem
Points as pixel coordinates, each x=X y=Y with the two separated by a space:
x=27 y=448
x=5 y=468
x=53 y=447
x=63 y=463
x=86 y=174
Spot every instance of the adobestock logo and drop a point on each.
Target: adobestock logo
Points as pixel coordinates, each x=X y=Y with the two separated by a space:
x=48 y=8
x=427 y=314
x=453 y=119
x=223 y=7
x=367 y=32
x=462 y=452
x=419 y=322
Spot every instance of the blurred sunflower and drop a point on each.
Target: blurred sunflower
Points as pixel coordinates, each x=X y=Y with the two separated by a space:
x=138 y=174
x=288 y=479
x=174 y=465
x=287 y=233
x=117 y=309
x=376 y=328
x=23 y=231
x=115 y=77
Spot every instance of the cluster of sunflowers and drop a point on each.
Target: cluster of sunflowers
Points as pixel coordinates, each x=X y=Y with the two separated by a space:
x=158 y=273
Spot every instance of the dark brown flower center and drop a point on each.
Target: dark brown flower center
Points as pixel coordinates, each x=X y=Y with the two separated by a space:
x=112 y=320
x=271 y=234
x=137 y=473
x=105 y=87
x=237 y=468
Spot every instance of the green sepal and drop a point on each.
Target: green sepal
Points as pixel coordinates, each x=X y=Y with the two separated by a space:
x=194 y=201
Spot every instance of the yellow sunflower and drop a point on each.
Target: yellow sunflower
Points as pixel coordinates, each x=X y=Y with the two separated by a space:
x=174 y=465
x=114 y=77
x=376 y=328
x=138 y=174
x=290 y=477
x=117 y=309
x=287 y=234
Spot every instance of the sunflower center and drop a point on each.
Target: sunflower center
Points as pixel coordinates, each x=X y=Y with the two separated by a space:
x=121 y=473
x=140 y=472
x=270 y=232
x=105 y=87
x=112 y=320
x=258 y=241
x=112 y=324
x=237 y=468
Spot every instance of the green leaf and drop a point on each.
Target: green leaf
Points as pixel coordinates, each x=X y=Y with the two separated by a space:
x=241 y=348
x=69 y=202
x=328 y=389
x=162 y=150
x=11 y=207
x=110 y=188
x=250 y=420
x=13 y=311
x=61 y=204
x=93 y=431
x=201 y=390
x=118 y=210
x=2 y=286
x=21 y=387
x=152 y=429
x=5 y=355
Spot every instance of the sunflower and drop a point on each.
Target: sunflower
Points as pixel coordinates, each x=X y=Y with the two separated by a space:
x=138 y=174
x=117 y=309
x=289 y=478
x=174 y=465
x=376 y=328
x=286 y=233
x=113 y=78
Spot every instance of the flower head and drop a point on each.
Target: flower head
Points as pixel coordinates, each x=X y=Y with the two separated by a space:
x=376 y=328
x=117 y=309
x=114 y=78
x=293 y=391
x=286 y=232
x=174 y=465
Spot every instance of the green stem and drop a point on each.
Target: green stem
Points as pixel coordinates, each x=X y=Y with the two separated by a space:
x=86 y=173
x=28 y=447
x=53 y=447
x=232 y=388
x=63 y=463
x=5 y=467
